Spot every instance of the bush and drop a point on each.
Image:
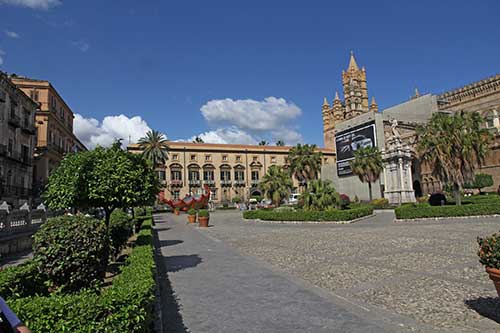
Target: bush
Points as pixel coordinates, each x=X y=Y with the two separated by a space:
x=191 y=211
x=236 y=200
x=284 y=209
x=203 y=213
x=344 y=201
x=437 y=199
x=120 y=229
x=425 y=211
x=126 y=306
x=489 y=251
x=71 y=251
x=380 y=203
x=21 y=281
x=304 y=215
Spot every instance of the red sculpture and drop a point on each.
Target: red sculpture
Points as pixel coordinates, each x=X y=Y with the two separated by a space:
x=188 y=202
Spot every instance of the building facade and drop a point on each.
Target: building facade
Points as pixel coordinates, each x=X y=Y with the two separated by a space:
x=17 y=142
x=229 y=170
x=54 y=124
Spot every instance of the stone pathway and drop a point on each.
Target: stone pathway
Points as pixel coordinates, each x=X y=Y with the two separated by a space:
x=216 y=289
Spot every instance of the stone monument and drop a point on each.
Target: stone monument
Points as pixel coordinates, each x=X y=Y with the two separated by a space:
x=397 y=159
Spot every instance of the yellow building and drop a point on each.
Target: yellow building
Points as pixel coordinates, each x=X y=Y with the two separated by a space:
x=230 y=170
x=54 y=124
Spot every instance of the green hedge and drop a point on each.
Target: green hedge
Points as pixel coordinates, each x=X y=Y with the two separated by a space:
x=425 y=211
x=303 y=215
x=22 y=281
x=125 y=306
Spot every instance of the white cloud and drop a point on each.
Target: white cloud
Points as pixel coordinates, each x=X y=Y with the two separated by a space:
x=12 y=34
x=33 y=4
x=93 y=133
x=271 y=113
x=81 y=45
x=289 y=136
x=2 y=53
x=226 y=135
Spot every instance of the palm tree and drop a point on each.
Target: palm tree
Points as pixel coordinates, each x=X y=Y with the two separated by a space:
x=367 y=165
x=198 y=140
x=305 y=162
x=280 y=143
x=453 y=146
x=276 y=183
x=154 y=147
x=320 y=195
x=263 y=143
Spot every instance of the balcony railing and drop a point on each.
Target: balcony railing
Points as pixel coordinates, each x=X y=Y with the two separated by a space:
x=255 y=182
x=209 y=182
x=50 y=146
x=14 y=120
x=239 y=182
x=15 y=191
x=176 y=182
x=194 y=182
x=225 y=182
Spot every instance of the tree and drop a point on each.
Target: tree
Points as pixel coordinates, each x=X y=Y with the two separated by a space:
x=367 y=165
x=320 y=195
x=276 y=183
x=108 y=178
x=263 y=143
x=280 y=143
x=154 y=147
x=482 y=180
x=453 y=146
x=198 y=140
x=305 y=162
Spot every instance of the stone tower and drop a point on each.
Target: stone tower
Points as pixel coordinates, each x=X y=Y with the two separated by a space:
x=355 y=101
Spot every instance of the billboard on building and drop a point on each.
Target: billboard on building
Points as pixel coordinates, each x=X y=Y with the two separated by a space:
x=348 y=141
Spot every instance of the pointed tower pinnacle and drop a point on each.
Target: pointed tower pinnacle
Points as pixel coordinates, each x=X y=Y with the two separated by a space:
x=337 y=96
x=417 y=93
x=373 y=101
x=353 y=66
x=325 y=102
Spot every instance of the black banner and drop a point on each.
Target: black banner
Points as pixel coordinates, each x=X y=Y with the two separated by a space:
x=348 y=141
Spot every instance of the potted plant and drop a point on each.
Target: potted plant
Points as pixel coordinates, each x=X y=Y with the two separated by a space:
x=192 y=215
x=203 y=217
x=176 y=211
x=489 y=256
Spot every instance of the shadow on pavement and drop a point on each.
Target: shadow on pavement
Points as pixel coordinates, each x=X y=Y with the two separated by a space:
x=169 y=242
x=488 y=307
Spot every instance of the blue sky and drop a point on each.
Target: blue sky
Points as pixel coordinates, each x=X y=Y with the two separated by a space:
x=239 y=71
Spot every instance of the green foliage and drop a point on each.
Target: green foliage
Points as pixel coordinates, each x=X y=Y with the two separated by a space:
x=236 y=200
x=105 y=177
x=203 y=213
x=70 y=251
x=191 y=211
x=21 y=281
x=320 y=195
x=305 y=162
x=257 y=197
x=277 y=184
x=303 y=215
x=280 y=143
x=284 y=209
x=380 y=203
x=120 y=229
x=426 y=211
x=453 y=146
x=367 y=165
x=489 y=251
x=154 y=147
x=126 y=306
x=482 y=180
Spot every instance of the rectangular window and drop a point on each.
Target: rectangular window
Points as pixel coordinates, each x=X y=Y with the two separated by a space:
x=239 y=175
x=194 y=175
x=193 y=157
x=175 y=157
x=254 y=158
x=255 y=175
x=225 y=175
x=176 y=175
x=161 y=175
x=224 y=158
x=273 y=159
x=207 y=158
x=208 y=175
x=238 y=158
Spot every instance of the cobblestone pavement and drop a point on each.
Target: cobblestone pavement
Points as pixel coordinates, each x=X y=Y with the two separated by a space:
x=423 y=273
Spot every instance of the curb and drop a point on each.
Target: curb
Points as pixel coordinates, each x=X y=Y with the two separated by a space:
x=422 y=219
x=309 y=222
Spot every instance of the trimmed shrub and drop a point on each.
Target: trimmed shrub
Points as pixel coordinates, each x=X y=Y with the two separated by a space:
x=344 y=201
x=236 y=200
x=120 y=229
x=191 y=211
x=284 y=209
x=380 y=203
x=437 y=199
x=21 y=281
x=203 y=213
x=489 y=251
x=302 y=215
x=425 y=211
x=126 y=306
x=71 y=251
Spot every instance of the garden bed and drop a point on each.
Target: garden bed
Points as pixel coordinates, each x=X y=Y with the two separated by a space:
x=408 y=212
x=125 y=306
x=337 y=216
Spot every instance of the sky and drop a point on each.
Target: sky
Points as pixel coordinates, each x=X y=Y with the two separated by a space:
x=239 y=71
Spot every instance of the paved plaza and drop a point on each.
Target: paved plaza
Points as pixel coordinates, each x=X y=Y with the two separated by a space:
x=373 y=275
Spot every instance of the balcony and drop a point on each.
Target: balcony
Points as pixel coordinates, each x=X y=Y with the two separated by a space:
x=176 y=183
x=194 y=182
x=225 y=182
x=209 y=182
x=254 y=182
x=14 y=120
x=239 y=182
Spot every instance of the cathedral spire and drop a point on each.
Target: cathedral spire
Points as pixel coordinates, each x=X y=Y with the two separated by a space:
x=336 y=96
x=373 y=105
x=325 y=103
x=353 y=66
